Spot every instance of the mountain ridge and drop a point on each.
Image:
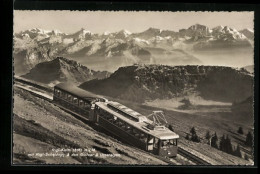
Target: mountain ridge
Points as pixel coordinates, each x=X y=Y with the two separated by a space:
x=148 y=82
x=63 y=70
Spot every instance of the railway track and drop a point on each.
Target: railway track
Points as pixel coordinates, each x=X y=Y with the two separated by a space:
x=181 y=151
x=192 y=157
x=250 y=152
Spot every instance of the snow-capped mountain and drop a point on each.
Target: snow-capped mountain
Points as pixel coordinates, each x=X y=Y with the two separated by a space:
x=107 y=51
x=248 y=33
x=122 y=34
x=82 y=34
x=36 y=32
x=226 y=33
x=195 y=31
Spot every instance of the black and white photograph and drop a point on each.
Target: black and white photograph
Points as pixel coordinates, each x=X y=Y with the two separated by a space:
x=166 y=88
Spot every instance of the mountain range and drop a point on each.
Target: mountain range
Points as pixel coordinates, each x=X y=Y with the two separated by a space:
x=108 y=51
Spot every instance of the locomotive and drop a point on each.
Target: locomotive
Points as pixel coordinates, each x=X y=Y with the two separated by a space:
x=131 y=126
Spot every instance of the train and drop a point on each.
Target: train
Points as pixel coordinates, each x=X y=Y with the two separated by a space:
x=132 y=127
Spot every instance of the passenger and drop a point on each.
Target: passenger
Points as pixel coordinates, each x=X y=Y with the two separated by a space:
x=165 y=143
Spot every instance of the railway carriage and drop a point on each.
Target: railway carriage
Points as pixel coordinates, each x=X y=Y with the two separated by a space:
x=125 y=123
x=136 y=129
x=76 y=100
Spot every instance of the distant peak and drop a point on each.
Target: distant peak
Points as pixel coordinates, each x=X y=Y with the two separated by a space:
x=106 y=33
x=68 y=61
x=39 y=30
x=248 y=29
x=197 y=26
x=83 y=30
x=125 y=32
x=151 y=28
x=56 y=32
x=219 y=27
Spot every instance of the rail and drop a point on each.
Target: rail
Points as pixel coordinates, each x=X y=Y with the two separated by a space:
x=192 y=157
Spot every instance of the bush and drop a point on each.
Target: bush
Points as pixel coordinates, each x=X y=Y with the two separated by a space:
x=171 y=127
x=194 y=136
x=187 y=137
x=240 y=130
x=249 y=140
x=186 y=104
x=225 y=145
x=207 y=136
x=214 y=141
x=237 y=152
x=246 y=157
x=193 y=131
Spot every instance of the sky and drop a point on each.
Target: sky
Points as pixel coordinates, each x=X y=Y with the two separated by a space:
x=100 y=21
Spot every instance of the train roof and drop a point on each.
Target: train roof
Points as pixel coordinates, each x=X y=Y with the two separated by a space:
x=129 y=112
x=74 y=90
x=141 y=125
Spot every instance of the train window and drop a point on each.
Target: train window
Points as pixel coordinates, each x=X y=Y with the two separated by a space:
x=156 y=142
x=69 y=97
x=128 y=128
x=165 y=143
x=123 y=125
x=119 y=123
x=58 y=93
x=109 y=117
x=86 y=104
x=55 y=91
x=114 y=119
x=75 y=100
x=143 y=137
x=150 y=143
x=63 y=94
x=100 y=111
x=104 y=114
x=136 y=133
x=173 y=142
x=81 y=104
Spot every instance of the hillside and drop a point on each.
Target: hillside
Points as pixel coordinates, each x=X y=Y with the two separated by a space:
x=244 y=109
x=148 y=82
x=62 y=70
